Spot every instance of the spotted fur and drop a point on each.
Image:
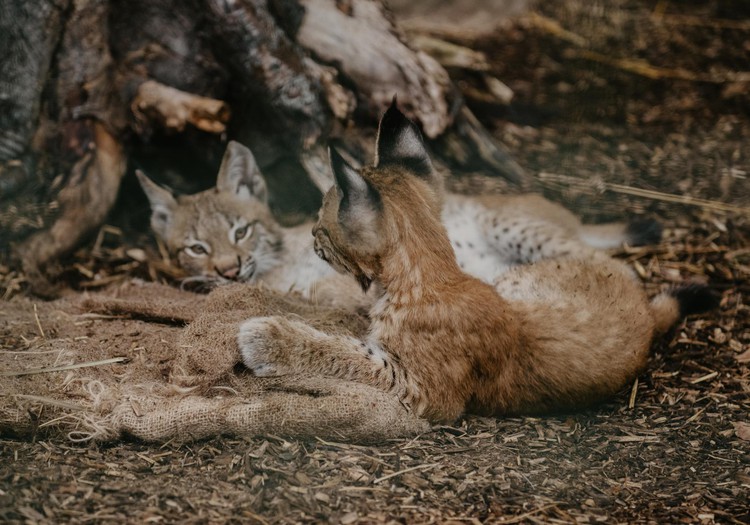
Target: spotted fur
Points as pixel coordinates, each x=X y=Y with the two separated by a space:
x=488 y=233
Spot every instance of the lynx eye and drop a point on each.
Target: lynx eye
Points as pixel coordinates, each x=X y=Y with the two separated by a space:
x=196 y=250
x=241 y=233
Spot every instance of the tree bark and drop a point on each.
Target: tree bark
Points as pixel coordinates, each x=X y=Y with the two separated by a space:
x=92 y=84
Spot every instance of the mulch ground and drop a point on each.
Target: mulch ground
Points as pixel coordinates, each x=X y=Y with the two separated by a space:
x=673 y=448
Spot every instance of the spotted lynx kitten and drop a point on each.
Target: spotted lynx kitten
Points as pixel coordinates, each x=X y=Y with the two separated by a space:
x=228 y=233
x=548 y=336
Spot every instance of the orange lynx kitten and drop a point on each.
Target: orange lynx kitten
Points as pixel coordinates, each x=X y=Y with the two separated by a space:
x=228 y=233
x=553 y=335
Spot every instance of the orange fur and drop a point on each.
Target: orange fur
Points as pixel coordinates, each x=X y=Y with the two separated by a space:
x=554 y=335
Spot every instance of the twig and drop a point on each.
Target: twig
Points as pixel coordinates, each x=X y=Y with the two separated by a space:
x=449 y=54
x=63 y=368
x=698 y=21
x=694 y=417
x=38 y=322
x=404 y=471
x=554 y=28
x=704 y=378
x=522 y=517
x=633 y=393
x=28 y=352
x=50 y=401
x=341 y=445
x=58 y=419
x=644 y=69
x=635 y=439
x=601 y=186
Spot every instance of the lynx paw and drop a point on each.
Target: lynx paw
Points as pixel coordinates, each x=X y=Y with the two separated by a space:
x=261 y=346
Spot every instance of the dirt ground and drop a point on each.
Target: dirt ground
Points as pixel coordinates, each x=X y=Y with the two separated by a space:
x=674 y=448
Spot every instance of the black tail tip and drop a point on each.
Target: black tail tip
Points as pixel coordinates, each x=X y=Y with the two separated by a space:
x=696 y=299
x=644 y=231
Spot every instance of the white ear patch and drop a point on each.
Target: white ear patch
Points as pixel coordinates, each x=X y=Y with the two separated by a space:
x=243 y=192
x=161 y=217
x=408 y=144
x=400 y=143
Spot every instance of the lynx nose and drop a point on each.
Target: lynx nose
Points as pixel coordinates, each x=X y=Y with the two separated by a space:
x=231 y=273
x=229 y=269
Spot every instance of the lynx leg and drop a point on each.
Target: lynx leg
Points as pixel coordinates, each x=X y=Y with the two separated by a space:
x=272 y=346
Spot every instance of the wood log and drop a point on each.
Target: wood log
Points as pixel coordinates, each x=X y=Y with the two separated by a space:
x=377 y=61
x=85 y=201
x=93 y=85
x=29 y=32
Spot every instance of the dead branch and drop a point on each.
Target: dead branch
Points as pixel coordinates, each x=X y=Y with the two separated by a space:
x=377 y=61
x=449 y=54
x=174 y=109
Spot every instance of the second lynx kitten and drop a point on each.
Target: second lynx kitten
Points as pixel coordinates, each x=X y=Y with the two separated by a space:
x=228 y=233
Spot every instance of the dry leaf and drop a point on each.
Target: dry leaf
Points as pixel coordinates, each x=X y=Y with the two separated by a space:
x=742 y=431
x=744 y=357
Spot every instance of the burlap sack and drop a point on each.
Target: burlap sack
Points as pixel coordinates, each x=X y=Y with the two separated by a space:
x=180 y=382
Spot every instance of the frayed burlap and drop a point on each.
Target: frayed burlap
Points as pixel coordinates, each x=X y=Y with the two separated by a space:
x=148 y=301
x=299 y=407
x=179 y=383
x=208 y=346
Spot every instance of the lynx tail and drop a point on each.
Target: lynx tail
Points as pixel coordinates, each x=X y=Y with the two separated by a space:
x=671 y=306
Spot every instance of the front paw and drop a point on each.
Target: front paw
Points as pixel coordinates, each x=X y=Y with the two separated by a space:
x=262 y=346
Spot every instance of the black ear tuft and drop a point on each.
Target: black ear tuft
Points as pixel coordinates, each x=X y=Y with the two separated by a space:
x=360 y=204
x=641 y=232
x=346 y=177
x=695 y=299
x=400 y=143
x=353 y=188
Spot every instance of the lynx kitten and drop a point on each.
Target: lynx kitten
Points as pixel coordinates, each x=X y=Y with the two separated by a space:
x=553 y=335
x=228 y=233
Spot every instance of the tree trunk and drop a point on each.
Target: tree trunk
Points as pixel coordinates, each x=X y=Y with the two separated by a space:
x=91 y=87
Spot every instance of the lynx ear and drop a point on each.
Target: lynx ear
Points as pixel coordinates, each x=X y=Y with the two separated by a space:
x=360 y=203
x=162 y=204
x=239 y=174
x=400 y=143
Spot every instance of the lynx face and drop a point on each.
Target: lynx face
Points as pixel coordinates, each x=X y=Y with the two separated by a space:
x=359 y=221
x=226 y=233
x=348 y=235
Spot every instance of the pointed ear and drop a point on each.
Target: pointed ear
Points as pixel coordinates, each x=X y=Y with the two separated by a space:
x=360 y=203
x=400 y=143
x=239 y=174
x=162 y=204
